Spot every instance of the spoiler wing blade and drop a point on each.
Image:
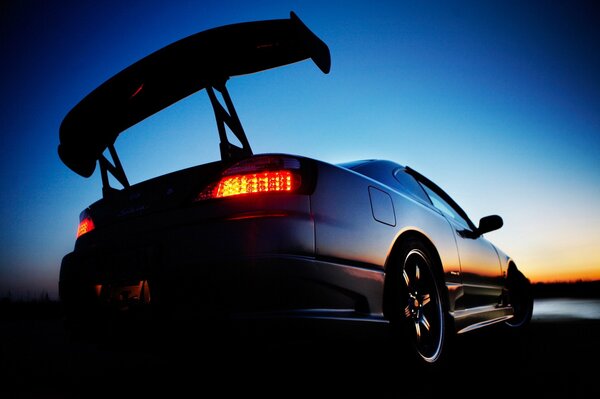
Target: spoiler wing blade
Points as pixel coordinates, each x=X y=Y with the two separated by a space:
x=176 y=71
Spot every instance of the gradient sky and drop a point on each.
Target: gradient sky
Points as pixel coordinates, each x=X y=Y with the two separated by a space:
x=497 y=102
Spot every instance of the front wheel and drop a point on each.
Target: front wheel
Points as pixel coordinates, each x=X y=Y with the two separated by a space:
x=419 y=304
x=520 y=297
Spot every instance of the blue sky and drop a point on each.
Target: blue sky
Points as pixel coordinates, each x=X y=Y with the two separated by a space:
x=498 y=102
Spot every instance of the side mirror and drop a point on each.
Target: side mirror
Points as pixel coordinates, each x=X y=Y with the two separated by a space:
x=489 y=223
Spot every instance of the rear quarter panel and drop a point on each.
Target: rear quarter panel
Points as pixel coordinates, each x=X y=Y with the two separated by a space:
x=346 y=229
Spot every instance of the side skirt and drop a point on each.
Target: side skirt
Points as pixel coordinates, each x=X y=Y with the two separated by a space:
x=472 y=319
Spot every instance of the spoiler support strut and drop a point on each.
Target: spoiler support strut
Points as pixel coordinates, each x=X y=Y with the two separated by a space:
x=224 y=116
x=230 y=118
x=115 y=168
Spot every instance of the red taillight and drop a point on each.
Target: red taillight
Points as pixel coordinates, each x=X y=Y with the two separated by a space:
x=86 y=224
x=261 y=174
x=265 y=182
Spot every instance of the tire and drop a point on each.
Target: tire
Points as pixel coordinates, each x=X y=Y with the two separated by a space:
x=520 y=297
x=418 y=304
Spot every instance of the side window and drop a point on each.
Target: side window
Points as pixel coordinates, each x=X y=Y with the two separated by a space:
x=446 y=208
x=409 y=184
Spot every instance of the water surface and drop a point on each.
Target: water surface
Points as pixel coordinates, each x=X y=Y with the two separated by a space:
x=550 y=309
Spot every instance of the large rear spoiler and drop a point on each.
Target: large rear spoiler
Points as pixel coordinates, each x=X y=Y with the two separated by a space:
x=205 y=60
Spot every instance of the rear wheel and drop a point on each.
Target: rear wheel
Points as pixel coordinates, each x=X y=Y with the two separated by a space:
x=418 y=304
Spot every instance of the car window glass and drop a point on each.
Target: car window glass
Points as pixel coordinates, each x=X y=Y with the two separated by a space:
x=445 y=207
x=409 y=184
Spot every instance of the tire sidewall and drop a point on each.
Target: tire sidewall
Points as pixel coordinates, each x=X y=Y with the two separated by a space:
x=401 y=329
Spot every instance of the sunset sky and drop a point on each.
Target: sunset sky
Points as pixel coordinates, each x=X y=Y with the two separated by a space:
x=497 y=102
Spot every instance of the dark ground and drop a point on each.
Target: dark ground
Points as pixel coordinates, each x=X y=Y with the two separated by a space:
x=39 y=360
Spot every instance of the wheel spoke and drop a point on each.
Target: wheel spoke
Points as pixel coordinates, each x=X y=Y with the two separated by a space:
x=425 y=323
x=406 y=278
x=407 y=312
x=417 y=272
x=425 y=299
x=418 y=331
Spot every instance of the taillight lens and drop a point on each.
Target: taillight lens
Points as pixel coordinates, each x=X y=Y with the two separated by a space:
x=278 y=180
x=86 y=224
x=257 y=175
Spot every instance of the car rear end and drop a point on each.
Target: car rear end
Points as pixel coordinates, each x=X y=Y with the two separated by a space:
x=205 y=241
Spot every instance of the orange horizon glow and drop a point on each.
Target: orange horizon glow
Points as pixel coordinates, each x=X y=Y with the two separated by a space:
x=564 y=249
x=560 y=269
x=564 y=277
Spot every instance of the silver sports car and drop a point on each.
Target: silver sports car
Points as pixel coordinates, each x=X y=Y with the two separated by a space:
x=271 y=237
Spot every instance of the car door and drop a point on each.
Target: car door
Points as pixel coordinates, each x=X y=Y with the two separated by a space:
x=480 y=268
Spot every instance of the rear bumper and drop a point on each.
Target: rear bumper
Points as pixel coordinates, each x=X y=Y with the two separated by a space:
x=239 y=264
x=260 y=291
